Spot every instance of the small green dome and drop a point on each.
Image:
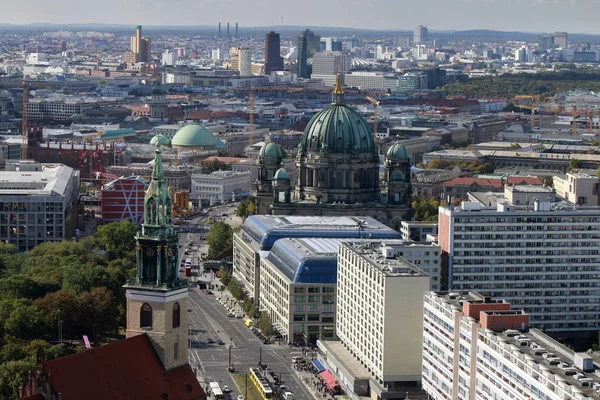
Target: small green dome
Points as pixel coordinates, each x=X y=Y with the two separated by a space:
x=270 y=150
x=281 y=175
x=397 y=175
x=194 y=135
x=338 y=129
x=397 y=152
x=161 y=140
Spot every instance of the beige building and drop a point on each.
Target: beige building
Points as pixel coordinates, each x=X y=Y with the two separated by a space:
x=298 y=288
x=578 y=188
x=379 y=318
x=140 y=48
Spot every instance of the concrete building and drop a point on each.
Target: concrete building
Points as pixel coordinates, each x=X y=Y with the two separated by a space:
x=327 y=65
x=273 y=59
x=578 y=188
x=123 y=199
x=241 y=60
x=379 y=319
x=524 y=246
x=260 y=232
x=561 y=39
x=371 y=80
x=220 y=186
x=141 y=48
x=308 y=45
x=412 y=81
x=475 y=347
x=169 y=58
x=298 y=288
x=420 y=34
x=61 y=110
x=417 y=230
x=38 y=203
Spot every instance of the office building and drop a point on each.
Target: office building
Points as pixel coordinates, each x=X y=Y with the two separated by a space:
x=578 y=188
x=169 y=57
x=260 y=232
x=297 y=288
x=561 y=39
x=241 y=60
x=38 y=203
x=123 y=199
x=308 y=45
x=273 y=59
x=141 y=48
x=326 y=65
x=418 y=230
x=476 y=347
x=220 y=186
x=541 y=255
x=379 y=318
x=412 y=81
x=371 y=81
x=420 y=35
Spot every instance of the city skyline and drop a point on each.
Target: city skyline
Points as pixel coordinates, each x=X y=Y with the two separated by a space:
x=577 y=16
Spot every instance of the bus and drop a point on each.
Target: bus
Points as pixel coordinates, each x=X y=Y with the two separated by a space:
x=261 y=384
x=215 y=389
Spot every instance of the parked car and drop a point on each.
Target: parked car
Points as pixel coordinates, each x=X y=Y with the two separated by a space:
x=220 y=342
x=240 y=397
x=226 y=389
x=238 y=315
x=230 y=314
x=209 y=341
x=209 y=292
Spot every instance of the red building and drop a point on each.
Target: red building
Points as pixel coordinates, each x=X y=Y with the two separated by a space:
x=123 y=199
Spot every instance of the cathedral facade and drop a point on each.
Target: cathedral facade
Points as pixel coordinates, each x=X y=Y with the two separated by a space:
x=338 y=171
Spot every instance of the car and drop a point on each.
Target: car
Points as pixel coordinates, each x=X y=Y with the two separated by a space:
x=238 y=315
x=220 y=342
x=209 y=292
x=266 y=341
x=209 y=341
x=226 y=389
x=224 y=215
x=240 y=397
x=230 y=314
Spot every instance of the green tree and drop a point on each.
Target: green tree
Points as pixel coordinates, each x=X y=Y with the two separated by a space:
x=116 y=238
x=83 y=278
x=236 y=290
x=65 y=303
x=251 y=208
x=13 y=375
x=265 y=325
x=549 y=181
x=574 y=164
x=242 y=210
x=224 y=276
x=24 y=322
x=99 y=314
x=220 y=241
x=425 y=209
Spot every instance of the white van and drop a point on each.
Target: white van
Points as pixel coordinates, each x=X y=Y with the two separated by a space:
x=296 y=359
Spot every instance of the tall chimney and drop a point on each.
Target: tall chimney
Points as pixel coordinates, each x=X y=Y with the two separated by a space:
x=219 y=29
x=228 y=29
x=236 y=29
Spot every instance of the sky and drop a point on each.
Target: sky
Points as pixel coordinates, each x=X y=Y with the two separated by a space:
x=575 y=16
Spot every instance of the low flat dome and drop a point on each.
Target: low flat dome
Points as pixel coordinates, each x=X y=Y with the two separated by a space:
x=281 y=175
x=161 y=140
x=338 y=129
x=194 y=135
x=270 y=150
x=397 y=152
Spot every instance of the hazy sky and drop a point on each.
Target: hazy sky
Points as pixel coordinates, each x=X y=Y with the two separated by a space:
x=581 y=16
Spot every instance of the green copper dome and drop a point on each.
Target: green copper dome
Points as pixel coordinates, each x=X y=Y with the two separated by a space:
x=397 y=175
x=161 y=140
x=281 y=175
x=270 y=150
x=338 y=129
x=397 y=152
x=194 y=135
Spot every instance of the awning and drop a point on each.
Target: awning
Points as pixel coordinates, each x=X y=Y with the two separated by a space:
x=318 y=365
x=329 y=380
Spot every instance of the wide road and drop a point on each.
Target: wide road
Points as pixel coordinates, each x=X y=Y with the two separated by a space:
x=208 y=319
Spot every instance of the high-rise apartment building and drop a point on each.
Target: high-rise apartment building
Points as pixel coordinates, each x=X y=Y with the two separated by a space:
x=140 y=48
x=561 y=39
x=308 y=45
x=540 y=254
x=378 y=316
x=475 y=347
x=241 y=60
x=420 y=35
x=273 y=59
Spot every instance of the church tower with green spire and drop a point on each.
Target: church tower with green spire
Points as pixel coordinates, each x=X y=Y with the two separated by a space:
x=157 y=300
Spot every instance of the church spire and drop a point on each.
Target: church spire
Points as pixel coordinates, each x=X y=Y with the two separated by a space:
x=338 y=91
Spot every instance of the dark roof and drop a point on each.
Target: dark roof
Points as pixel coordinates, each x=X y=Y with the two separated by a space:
x=126 y=369
x=34 y=397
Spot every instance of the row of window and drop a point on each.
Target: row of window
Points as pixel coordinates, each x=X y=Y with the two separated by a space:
x=146 y=319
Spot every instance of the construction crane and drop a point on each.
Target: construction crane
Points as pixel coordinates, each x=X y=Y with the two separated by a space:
x=532 y=108
x=375 y=115
x=24 y=126
x=251 y=128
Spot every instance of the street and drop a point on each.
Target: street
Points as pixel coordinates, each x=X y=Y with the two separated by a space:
x=208 y=320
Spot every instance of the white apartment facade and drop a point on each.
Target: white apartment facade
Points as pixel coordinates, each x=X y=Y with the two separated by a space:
x=478 y=348
x=220 y=186
x=377 y=317
x=578 y=188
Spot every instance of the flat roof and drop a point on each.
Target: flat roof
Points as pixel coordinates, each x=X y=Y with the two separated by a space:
x=372 y=251
x=52 y=180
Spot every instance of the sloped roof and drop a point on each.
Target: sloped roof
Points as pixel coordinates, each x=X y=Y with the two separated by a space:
x=524 y=180
x=469 y=180
x=126 y=369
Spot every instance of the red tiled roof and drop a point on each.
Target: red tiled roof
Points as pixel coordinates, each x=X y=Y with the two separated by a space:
x=524 y=180
x=469 y=180
x=126 y=369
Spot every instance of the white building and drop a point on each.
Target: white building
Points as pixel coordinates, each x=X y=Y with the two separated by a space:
x=478 y=348
x=220 y=186
x=297 y=288
x=578 y=188
x=168 y=58
x=38 y=203
x=36 y=58
x=541 y=255
x=326 y=65
x=245 y=61
x=371 y=80
x=421 y=34
x=417 y=230
x=378 y=317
